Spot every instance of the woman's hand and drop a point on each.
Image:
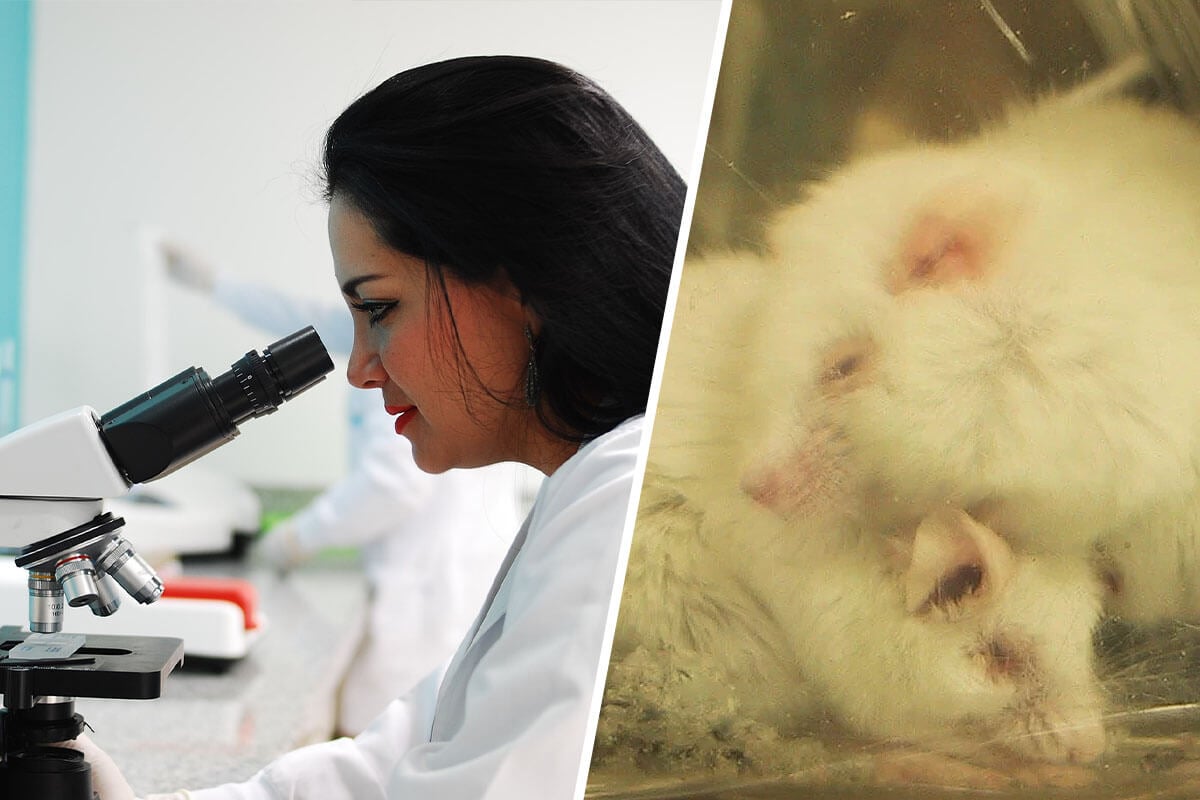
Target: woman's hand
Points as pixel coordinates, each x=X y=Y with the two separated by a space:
x=279 y=548
x=185 y=267
x=107 y=781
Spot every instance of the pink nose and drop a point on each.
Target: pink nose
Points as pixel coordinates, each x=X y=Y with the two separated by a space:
x=765 y=485
x=799 y=483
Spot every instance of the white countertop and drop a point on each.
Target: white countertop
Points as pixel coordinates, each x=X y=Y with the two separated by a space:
x=212 y=728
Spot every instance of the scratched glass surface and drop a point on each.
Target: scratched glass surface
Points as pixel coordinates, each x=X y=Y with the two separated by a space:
x=718 y=688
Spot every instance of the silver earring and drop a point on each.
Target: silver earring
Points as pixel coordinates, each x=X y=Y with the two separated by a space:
x=533 y=386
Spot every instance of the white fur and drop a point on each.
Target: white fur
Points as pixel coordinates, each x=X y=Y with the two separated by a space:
x=789 y=608
x=1060 y=391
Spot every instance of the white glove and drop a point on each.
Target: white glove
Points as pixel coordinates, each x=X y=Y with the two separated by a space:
x=185 y=267
x=107 y=781
x=280 y=547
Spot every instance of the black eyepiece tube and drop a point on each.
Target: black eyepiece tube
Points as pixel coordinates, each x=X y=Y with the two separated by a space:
x=299 y=360
x=190 y=414
x=256 y=385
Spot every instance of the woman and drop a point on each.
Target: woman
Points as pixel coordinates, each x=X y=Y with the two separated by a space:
x=429 y=544
x=504 y=233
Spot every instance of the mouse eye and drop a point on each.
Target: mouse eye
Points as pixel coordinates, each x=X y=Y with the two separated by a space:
x=1110 y=576
x=845 y=364
x=1006 y=658
x=843 y=368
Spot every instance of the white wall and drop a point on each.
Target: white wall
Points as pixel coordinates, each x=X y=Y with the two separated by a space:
x=205 y=118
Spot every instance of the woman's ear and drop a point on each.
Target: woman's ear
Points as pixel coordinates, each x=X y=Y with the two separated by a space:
x=533 y=322
x=513 y=301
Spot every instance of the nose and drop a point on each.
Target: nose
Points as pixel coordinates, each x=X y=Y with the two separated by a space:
x=365 y=369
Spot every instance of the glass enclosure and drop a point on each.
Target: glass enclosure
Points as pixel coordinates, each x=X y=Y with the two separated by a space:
x=808 y=88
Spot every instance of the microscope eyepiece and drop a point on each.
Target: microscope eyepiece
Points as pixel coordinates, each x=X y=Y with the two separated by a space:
x=190 y=414
x=256 y=385
x=300 y=360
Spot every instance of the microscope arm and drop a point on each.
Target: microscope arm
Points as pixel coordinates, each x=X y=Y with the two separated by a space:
x=53 y=475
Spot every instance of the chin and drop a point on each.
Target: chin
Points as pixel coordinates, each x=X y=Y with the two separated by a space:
x=439 y=454
x=432 y=465
x=436 y=461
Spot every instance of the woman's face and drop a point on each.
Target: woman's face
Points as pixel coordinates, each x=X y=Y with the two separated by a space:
x=451 y=367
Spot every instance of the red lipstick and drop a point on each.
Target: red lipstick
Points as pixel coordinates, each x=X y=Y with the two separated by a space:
x=406 y=413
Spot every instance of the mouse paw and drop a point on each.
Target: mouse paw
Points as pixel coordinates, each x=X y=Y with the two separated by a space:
x=917 y=768
x=1074 y=736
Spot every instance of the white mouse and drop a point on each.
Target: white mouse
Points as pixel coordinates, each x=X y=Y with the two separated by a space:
x=932 y=630
x=1012 y=325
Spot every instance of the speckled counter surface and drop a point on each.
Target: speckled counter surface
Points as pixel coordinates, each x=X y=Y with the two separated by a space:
x=210 y=728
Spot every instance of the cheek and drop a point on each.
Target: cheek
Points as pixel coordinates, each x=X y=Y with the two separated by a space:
x=887 y=432
x=498 y=357
x=492 y=340
x=406 y=352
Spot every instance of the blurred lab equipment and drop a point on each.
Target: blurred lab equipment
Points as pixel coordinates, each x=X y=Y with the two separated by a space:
x=430 y=544
x=208 y=513
x=56 y=474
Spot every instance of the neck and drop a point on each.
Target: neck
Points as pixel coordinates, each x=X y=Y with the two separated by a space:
x=549 y=453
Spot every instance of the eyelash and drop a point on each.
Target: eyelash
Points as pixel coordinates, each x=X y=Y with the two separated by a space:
x=375 y=311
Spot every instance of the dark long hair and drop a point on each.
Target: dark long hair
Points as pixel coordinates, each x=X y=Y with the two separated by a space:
x=491 y=166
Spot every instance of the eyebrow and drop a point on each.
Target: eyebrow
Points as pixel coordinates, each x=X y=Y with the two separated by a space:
x=350 y=287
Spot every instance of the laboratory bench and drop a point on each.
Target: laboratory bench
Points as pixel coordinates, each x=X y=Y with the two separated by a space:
x=213 y=726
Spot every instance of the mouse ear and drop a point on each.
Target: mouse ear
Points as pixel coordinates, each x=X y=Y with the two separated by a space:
x=957 y=566
x=954 y=238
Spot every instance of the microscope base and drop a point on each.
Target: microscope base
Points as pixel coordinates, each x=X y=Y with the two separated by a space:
x=47 y=773
x=39 y=709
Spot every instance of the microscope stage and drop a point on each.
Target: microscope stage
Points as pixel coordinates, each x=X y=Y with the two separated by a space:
x=127 y=667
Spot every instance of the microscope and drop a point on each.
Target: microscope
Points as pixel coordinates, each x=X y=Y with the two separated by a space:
x=54 y=476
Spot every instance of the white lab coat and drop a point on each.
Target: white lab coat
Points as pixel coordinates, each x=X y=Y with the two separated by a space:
x=520 y=699
x=430 y=543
